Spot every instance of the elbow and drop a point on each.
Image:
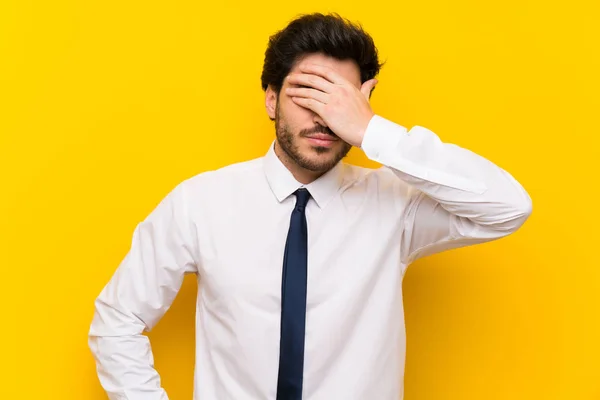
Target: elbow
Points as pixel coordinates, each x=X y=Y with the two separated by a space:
x=517 y=214
x=525 y=208
x=98 y=325
x=111 y=319
x=506 y=217
x=524 y=212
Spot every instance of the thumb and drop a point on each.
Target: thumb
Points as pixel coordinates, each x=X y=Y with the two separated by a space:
x=368 y=86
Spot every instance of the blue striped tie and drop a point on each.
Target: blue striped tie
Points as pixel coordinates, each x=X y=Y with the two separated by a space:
x=293 y=303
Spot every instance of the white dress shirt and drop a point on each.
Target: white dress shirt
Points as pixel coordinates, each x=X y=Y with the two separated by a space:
x=365 y=226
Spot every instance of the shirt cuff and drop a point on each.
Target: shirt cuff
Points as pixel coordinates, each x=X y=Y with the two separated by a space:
x=381 y=134
x=386 y=141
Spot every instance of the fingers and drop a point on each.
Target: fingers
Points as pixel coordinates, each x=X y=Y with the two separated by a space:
x=321 y=70
x=308 y=93
x=309 y=103
x=368 y=86
x=312 y=81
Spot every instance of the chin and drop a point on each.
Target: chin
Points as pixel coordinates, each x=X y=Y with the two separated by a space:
x=320 y=152
x=315 y=148
x=319 y=162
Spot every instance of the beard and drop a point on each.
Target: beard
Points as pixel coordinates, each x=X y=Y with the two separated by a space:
x=289 y=144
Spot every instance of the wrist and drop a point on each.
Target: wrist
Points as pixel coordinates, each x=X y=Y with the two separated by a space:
x=362 y=132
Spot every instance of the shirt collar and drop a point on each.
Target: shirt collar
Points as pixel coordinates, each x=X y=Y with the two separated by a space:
x=283 y=183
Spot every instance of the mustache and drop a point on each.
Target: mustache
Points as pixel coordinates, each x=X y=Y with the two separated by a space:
x=318 y=129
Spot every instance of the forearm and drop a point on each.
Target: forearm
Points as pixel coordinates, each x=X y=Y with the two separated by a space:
x=125 y=367
x=123 y=354
x=462 y=182
x=451 y=197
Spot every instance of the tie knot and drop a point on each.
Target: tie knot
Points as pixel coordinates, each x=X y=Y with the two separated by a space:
x=302 y=197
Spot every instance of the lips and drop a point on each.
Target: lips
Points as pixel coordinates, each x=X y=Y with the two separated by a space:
x=322 y=136
x=322 y=140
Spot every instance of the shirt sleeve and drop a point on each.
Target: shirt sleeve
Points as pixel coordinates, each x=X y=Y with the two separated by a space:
x=456 y=198
x=139 y=293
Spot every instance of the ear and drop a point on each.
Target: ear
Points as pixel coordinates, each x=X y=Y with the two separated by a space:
x=271 y=102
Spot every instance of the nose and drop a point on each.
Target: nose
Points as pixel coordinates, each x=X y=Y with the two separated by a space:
x=317 y=119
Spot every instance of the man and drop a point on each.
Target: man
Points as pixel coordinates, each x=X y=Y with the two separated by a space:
x=299 y=256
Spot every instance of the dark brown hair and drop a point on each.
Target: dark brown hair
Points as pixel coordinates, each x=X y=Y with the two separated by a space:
x=329 y=34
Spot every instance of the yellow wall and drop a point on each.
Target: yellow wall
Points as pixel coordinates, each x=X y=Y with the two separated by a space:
x=106 y=105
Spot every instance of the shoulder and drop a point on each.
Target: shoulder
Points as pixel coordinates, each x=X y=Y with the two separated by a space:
x=212 y=186
x=219 y=179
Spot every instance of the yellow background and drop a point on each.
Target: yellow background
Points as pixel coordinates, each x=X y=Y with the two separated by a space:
x=106 y=105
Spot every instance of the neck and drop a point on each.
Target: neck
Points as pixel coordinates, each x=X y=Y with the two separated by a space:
x=301 y=174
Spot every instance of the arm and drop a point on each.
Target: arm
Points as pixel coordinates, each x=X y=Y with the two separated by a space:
x=457 y=198
x=137 y=296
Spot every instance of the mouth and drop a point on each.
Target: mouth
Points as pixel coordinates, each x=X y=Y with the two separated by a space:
x=322 y=140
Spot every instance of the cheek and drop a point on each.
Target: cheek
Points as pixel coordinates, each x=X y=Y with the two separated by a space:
x=296 y=113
